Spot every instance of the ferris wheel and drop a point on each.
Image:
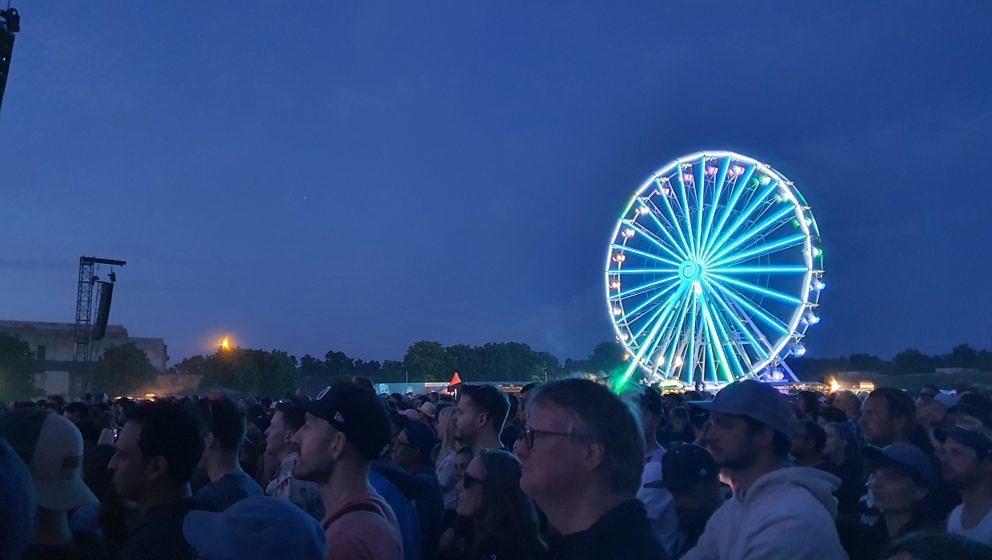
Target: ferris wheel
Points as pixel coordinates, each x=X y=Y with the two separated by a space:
x=714 y=272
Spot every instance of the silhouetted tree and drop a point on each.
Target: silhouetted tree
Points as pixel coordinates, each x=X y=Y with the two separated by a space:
x=912 y=361
x=15 y=369
x=122 y=370
x=427 y=361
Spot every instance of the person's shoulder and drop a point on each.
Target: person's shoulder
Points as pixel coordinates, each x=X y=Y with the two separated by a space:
x=250 y=486
x=362 y=534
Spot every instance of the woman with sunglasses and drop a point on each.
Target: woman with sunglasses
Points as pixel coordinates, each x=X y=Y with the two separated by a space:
x=496 y=520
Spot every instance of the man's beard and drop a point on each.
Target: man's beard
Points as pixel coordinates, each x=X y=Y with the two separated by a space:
x=742 y=462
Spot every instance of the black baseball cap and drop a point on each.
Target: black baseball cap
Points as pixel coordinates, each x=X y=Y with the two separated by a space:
x=420 y=437
x=683 y=465
x=975 y=437
x=358 y=413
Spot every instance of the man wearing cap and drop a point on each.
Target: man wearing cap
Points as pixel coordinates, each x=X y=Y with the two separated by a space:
x=288 y=417
x=428 y=414
x=346 y=429
x=966 y=458
x=903 y=476
x=52 y=448
x=691 y=475
x=413 y=473
x=776 y=511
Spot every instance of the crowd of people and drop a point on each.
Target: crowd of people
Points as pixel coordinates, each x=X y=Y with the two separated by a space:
x=561 y=470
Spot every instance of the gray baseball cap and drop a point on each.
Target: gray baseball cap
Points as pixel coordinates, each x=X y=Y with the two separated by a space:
x=904 y=457
x=755 y=400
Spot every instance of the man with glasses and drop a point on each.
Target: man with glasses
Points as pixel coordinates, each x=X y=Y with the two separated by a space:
x=413 y=474
x=582 y=453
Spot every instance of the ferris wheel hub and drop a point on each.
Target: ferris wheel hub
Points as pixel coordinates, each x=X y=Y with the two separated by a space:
x=690 y=271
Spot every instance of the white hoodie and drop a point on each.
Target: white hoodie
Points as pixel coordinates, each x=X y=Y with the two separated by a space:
x=788 y=514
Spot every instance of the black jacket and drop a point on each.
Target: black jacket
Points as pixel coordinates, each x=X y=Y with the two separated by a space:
x=623 y=532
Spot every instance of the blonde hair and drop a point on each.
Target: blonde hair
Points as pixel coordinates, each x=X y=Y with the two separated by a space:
x=445 y=431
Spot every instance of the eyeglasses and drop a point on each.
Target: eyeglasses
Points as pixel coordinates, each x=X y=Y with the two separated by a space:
x=527 y=436
x=469 y=481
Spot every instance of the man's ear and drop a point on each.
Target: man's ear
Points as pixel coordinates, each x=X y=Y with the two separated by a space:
x=156 y=468
x=337 y=445
x=595 y=452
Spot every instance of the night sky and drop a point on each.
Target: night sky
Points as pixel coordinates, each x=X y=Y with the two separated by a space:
x=361 y=175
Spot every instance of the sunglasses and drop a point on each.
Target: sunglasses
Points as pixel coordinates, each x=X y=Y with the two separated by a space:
x=469 y=481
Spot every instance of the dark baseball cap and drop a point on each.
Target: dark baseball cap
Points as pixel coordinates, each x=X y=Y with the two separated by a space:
x=755 y=400
x=975 y=437
x=683 y=465
x=358 y=413
x=904 y=457
x=420 y=437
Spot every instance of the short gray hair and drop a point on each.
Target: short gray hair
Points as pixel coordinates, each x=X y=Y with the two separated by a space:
x=608 y=421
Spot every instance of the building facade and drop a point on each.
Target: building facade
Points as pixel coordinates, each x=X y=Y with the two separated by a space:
x=53 y=345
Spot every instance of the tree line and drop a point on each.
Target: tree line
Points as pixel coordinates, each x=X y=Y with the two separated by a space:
x=126 y=369
x=907 y=362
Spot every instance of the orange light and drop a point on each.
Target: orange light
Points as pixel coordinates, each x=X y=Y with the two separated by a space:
x=225 y=343
x=834 y=385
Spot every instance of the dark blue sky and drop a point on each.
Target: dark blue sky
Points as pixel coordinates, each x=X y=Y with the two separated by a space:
x=362 y=175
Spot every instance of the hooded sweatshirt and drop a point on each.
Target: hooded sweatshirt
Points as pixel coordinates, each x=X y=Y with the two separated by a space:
x=786 y=514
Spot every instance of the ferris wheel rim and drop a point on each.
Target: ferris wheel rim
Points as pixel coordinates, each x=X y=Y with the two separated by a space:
x=713 y=251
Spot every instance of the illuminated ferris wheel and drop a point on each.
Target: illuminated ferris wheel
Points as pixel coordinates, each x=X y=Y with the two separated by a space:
x=714 y=272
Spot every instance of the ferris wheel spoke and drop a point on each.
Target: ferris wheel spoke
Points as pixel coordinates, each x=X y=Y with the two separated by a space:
x=772 y=221
x=660 y=309
x=685 y=209
x=686 y=247
x=669 y=216
x=760 y=344
x=755 y=309
x=700 y=202
x=676 y=337
x=716 y=341
x=644 y=254
x=759 y=270
x=754 y=203
x=734 y=345
x=690 y=356
x=760 y=251
x=626 y=271
x=718 y=191
x=649 y=340
x=672 y=334
x=643 y=232
x=666 y=323
x=643 y=287
x=754 y=288
x=632 y=314
x=739 y=185
x=707 y=356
